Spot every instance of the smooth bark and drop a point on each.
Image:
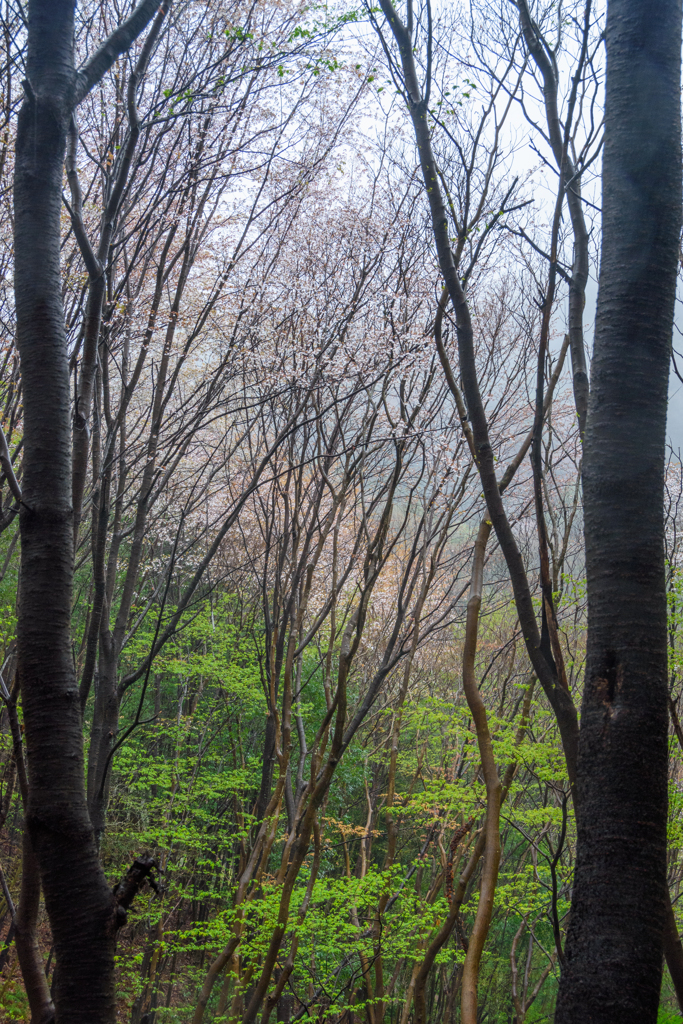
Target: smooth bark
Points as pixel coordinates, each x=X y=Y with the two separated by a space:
x=614 y=942
x=79 y=903
x=489 y=873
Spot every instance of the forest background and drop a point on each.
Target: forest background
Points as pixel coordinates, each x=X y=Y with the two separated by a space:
x=299 y=658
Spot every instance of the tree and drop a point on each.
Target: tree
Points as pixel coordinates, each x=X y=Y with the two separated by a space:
x=614 y=940
x=84 y=913
x=629 y=554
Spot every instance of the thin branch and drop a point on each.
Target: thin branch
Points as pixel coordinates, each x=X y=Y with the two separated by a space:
x=118 y=42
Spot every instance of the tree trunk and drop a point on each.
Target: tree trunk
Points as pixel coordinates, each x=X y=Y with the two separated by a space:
x=26 y=938
x=25 y=920
x=615 y=938
x=105 y=726
x=79 y=903
x=267 y=768
x=489 y=872
x=673 y=951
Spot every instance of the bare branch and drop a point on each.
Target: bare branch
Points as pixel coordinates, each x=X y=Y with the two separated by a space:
x=117 y=43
